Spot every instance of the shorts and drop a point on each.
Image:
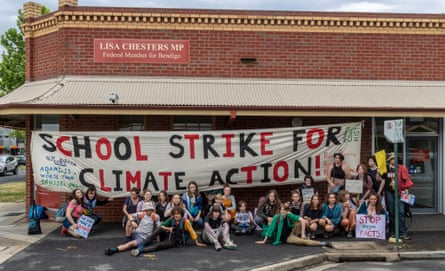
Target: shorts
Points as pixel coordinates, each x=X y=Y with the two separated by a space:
x=67 y=223
x=138 y=238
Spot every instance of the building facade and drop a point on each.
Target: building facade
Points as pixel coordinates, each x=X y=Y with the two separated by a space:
x=142 y=69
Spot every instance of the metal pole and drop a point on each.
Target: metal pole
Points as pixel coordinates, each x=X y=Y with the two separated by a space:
x=396 y=195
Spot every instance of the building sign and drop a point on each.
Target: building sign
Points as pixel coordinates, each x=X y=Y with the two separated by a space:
x=117 y=161
x=393 y=131
x=141 y=51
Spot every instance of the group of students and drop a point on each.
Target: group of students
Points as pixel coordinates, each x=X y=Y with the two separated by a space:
x=151 y=226
x=375 y=186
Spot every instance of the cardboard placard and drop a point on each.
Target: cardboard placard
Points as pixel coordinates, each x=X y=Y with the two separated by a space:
x=371 y=227
x=306 y=194
x=85 y=224
x=354 y=186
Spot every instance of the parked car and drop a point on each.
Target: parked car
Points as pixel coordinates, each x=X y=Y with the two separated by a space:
x=8 y=163
x=21 y=159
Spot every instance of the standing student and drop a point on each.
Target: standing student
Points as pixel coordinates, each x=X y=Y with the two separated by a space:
x=362 y=174
x=280 y=230
x=144 y=222
x=404 y=183
x=337 y=173
x=217 y=230
x=378 y=183
x=74 y=211
x=177 y=227
x=332 y=213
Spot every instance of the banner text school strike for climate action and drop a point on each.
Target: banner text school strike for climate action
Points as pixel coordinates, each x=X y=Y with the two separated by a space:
x=117 y=161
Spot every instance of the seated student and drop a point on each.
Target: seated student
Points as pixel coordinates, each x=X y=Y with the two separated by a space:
x=216 y=229
x=269 y=208
x=280 y=230
x=312 y=214
x=130 y=205
x=144 y=222
x=243 y=222
x=229 y=201
x=175 y=202
x=161 y=204
x=90 y=201
x=178 y=229
x=373 y=206
x=349 y=206
x=296 y=206
x=193 y=203
x=73 y=213
x=331 y=217
x=148 y=197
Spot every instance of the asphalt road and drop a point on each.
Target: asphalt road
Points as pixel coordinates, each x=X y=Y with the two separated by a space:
x=418 y=265
x=13 y=178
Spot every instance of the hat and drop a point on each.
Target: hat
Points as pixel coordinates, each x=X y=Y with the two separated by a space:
x=390 y=156
x=147 y=206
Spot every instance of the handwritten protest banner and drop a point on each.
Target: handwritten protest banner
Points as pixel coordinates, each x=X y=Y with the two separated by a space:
x=371 y=227
x=116 y=161
x=85 y=224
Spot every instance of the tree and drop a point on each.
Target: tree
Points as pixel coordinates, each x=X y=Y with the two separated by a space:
x=12 y=67
x=17 y=134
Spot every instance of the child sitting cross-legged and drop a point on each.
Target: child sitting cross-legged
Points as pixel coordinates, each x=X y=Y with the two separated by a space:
x=216 y=229
x=243 y=222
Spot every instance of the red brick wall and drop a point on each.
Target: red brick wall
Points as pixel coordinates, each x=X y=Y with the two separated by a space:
x=279 y=55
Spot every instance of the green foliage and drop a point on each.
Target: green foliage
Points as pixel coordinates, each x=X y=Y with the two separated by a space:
x=12 y=67
x=17 y=134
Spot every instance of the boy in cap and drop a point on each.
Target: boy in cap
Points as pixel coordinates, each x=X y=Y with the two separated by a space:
x=144 y=222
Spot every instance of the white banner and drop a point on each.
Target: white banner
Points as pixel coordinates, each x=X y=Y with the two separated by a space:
x=117 y=161
x=370 y=227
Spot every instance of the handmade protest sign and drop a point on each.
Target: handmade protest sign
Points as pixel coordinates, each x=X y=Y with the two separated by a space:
x=116 y=161
x=371 y=227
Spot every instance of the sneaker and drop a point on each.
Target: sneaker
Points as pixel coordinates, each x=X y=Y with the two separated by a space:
x=135 y=252
x=237 y=233
x=349 y=235
x=405 y=237
x=327 y=244
x=217 y=246
x=312 y=235
x=64 y=232
x=326 y=236
x=230 y=245
x=108 y=251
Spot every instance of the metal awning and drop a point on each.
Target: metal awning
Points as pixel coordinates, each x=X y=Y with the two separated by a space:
x=217 y=96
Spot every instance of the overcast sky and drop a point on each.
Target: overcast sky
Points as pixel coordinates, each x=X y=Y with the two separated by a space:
x=9 y=8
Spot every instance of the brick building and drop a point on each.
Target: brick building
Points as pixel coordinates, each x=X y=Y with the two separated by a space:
x=228 y=69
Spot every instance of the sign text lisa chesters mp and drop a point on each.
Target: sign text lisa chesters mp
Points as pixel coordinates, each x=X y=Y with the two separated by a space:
x=123 y=147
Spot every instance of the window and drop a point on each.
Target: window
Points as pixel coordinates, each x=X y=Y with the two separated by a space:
x=192 y=123
x=46 y=122
x=131 y=123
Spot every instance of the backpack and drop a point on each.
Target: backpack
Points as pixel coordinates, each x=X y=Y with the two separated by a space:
x=60 y=213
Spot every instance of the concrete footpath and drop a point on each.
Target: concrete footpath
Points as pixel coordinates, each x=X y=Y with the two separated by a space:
x=20 y=251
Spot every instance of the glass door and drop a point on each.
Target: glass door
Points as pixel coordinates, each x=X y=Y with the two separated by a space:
x=421 y=161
